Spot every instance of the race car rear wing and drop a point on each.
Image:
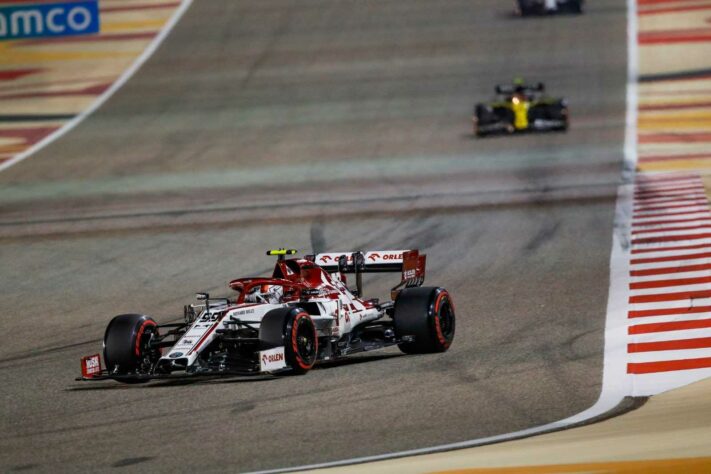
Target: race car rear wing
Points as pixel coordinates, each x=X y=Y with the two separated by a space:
x=510 y=89
x=409 y=263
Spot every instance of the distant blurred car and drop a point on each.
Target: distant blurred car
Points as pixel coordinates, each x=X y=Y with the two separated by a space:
x=519 y=107
x=546 y=7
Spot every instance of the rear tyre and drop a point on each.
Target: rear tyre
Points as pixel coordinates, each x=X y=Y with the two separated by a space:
x=475 y=127
x=525 y=12
x=487 y=116
x=127 y=348
x=566 y=124
x=556 y=111
x=560 y=112
x=300 y=342
x=521 y=8
x=479 y=118
x=529 y=7
x=426 y=313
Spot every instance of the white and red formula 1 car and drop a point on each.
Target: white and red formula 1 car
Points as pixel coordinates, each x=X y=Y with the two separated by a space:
x=302 y=315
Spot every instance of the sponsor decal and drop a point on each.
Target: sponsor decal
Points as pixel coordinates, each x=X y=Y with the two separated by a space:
x=91 y=365
x=333 y=257
x=209 y=317
x=269 y=358
x=175 y=355
x=185 y=343
x=387 y=256
x=272 y=359
x=49 y=20
x=371 y=257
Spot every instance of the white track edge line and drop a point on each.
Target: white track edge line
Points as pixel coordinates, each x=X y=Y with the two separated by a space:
x=123 y=78
x=615 y=383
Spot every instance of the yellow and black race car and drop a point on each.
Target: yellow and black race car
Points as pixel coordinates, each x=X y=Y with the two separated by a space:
x=520 y=108
x=548 y=7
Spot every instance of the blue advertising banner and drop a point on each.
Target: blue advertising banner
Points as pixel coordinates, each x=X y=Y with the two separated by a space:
x=49 y=19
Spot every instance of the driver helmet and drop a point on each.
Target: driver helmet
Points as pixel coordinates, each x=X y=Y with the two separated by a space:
x=271 y=294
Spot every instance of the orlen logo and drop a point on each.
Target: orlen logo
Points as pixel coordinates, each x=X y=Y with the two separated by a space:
x=49 y=19
x=387 y=256
x=333 y=258
x=270 y=358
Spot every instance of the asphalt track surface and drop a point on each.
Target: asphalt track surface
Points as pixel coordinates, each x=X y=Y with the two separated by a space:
x=320 y=125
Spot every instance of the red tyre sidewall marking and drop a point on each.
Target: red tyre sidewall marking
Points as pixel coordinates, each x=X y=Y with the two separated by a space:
x=438 y=327
x=295 y=346
x=141 y=330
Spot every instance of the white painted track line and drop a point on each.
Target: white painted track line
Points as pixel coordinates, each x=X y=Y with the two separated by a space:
x=643 y=357
x=671 y=318
x=672 y=335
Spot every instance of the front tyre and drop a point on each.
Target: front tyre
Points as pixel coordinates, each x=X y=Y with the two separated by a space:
x=300 y=342
x=527 y=7
x=127 y=349
x=426 y=313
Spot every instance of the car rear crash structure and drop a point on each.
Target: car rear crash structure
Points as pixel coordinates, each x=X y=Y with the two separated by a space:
x=520 y=108
x=303 y=314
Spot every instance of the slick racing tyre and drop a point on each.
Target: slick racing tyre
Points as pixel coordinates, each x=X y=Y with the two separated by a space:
x=560 y=112
x=527 y=7
x=294 y=329
x=576 y=6
x=300 y=342
x=126 y=346
x=476 y=131
x=557 y=111
x=427 y=314
x=486 y=116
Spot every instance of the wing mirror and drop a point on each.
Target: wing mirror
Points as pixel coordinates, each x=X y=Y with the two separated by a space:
x=189 y=314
